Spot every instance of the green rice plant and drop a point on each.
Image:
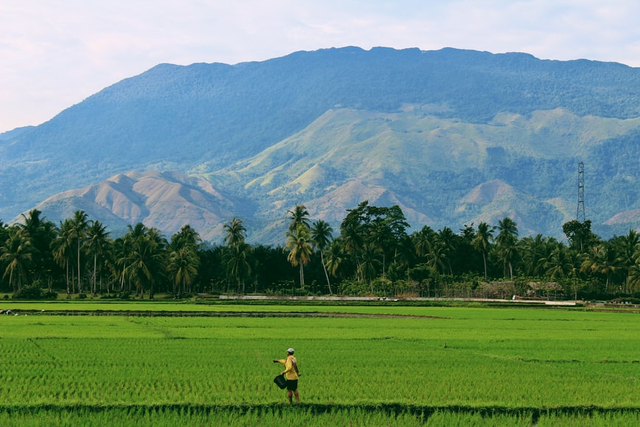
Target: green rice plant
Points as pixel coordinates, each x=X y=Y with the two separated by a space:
x=505 y=362
x=607 y=419
x=299 y=416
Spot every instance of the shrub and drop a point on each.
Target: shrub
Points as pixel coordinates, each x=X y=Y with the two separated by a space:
x=354 y=288
x=34 y=293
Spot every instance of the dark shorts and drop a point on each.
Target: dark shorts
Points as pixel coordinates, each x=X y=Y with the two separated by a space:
x=292 y=385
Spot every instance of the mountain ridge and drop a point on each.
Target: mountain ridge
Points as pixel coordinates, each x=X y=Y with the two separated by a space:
x=126 y=199
x=422 y=127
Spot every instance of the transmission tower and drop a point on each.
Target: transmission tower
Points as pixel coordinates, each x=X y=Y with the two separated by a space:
x=580 y=216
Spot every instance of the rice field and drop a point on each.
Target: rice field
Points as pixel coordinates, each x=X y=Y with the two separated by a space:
x=398 y=366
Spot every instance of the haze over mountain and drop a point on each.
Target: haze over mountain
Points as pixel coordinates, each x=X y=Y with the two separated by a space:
x=451 y=136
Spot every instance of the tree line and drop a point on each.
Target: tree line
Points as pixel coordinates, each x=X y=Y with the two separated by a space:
x=371 y=254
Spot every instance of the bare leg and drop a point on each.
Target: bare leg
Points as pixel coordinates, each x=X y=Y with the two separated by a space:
x=289 y=396
x=297 y=396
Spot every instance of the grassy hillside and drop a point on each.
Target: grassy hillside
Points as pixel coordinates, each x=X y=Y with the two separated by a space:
x=442 y=172
x=421 y=128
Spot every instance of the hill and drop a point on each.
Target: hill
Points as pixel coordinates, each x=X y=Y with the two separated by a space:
x=166 y=201
x=331 y=127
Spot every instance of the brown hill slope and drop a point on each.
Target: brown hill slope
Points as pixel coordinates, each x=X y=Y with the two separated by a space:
x=166 y=201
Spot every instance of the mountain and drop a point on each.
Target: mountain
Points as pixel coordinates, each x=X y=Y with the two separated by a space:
x=428 y=131
x=166 y=201
x=13 y=134
x=440 y=171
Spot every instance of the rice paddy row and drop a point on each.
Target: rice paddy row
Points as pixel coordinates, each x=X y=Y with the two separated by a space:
x=458 y=363
x=314 y=415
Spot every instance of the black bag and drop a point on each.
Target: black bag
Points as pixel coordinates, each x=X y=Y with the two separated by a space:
x=280 y=381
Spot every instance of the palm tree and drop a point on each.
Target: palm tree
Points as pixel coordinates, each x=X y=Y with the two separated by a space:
x=235 y=232
x=634 y=275
x=184 y=260
x=561 y=264
x=335 y=257
x=369 y=264
x=79 y=227
x=17 y=254
x=42 y=232
x=4 y=232
x=98 y=244
x=147 y=261
x=445 y=239
x=601 y=259
x=482 y=242
x=536 y=254
x=424 y=240
x=406 y=253
x=136 y=231
x=237 y=252
x=187 y=236
x=183 y=268
x=627 y=247
x=62 y=247
x=437 y=258
x=506 y=243
x=236 y=259
x=300 y=248
x=157 y=237
x=121 y=253
x=321 y=237
x=298 y=216
x=32 y=221
x=352 y=242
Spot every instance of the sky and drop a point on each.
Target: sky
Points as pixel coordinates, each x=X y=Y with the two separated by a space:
x=55 y=53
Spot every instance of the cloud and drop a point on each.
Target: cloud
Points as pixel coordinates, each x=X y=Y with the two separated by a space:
x=55 y=54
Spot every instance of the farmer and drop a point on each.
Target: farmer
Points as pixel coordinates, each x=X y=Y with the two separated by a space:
x=291 y=374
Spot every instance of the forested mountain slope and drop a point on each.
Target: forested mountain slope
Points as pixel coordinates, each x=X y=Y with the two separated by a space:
x=325 y=128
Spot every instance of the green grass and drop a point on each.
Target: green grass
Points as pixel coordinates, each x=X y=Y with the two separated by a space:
x=513 y=362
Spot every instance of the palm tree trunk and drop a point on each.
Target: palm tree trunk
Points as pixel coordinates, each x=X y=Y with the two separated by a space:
x=79 y=282
x=301 y=276
x=384 y=262
x=326 y=274
x=484 y=260
x=124 y=269
x=626 y=285
x=95 y=263
x=67 y=266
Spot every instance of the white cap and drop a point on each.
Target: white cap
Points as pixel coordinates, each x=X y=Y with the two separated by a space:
x=290 y=350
